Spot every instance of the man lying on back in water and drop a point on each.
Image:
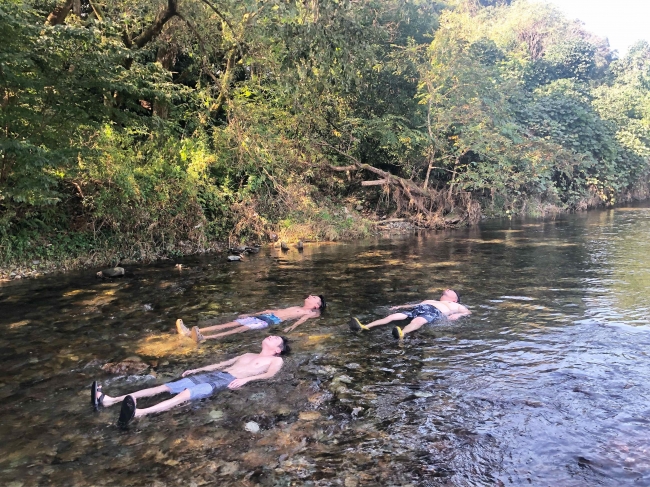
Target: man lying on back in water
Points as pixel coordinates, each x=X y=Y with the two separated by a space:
x=240 y=370
x=311 y=309
x=426 y=312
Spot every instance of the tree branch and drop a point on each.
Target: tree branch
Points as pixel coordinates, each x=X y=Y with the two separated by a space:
x=156 y=27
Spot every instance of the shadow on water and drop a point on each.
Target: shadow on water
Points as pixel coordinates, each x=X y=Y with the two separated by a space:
x=545 y=384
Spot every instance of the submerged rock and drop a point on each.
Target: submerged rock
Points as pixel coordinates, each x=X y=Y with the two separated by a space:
x=309 y=415
x=216 y=414
x=129 y=366
x=112 y=272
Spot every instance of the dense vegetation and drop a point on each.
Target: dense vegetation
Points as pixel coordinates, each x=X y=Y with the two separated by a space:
x=132 y=129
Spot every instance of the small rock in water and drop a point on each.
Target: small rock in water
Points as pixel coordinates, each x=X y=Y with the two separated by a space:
x=351 y=482
x=423 y=394
x=36 y=262
x=343 y=378
x=352 y=366
x=229 y=468
x=112 y=272
x=148 y=307
x=252 y=426
x=257 y=396
x=356 y=411
x=234 y=258
x=309 y=415
x=284 y=246
x=215 y=414
x=300 y=245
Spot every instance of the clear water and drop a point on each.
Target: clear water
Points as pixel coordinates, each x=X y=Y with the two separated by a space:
x=546 y=384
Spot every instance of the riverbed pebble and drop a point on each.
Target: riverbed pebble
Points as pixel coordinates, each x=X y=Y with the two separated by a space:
x=252 y=426
x=216 y=414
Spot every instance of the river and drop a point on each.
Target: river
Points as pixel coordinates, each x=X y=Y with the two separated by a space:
x=545 y=384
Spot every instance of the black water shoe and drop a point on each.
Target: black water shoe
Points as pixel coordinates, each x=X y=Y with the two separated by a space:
x=127 y=413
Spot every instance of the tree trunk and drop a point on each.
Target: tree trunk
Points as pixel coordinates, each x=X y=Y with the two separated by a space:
x=59 y=14
x=166 y=56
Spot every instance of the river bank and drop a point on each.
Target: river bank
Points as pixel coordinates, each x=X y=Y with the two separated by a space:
x=353 y=226
x=37 y=266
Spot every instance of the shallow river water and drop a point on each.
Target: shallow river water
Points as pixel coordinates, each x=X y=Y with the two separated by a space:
x=545 y=384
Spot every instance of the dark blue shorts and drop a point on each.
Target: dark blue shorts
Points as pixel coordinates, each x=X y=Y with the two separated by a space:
x=426 y=311
x=202 y=385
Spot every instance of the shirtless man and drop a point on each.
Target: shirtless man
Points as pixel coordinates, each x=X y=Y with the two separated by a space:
x=426 y=312
x=311 y=309
x=236 y=372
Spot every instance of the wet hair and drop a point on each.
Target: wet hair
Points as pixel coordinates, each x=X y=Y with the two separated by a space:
x=323 y=304
x=285 y=348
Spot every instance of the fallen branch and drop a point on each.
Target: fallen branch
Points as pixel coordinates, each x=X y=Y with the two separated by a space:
x=378 y=182
x=342 y=168
x=391 y=220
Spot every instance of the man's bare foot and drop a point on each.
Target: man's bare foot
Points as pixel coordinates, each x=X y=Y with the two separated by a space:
x=182 y=329
x=196 y=335
x=96 y=395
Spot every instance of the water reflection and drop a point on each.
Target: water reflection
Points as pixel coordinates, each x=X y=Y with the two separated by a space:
x=545 y=384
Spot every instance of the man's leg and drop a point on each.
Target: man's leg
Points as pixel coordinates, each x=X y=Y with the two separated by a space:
x=152 y=391
x=414 y=325
x=165 y=405
x=219 y=327
x=226 y=333
x=388 y=319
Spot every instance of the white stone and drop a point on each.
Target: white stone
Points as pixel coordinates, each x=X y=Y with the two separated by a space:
x=252 y=426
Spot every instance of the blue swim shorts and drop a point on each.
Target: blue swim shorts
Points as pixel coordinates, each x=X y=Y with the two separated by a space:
x=202 y=385
x=260 y=321
x=426 y=311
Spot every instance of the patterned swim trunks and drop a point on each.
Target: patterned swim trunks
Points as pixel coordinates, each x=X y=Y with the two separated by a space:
x=426 y=311
x=260 y=321
x=202 y=385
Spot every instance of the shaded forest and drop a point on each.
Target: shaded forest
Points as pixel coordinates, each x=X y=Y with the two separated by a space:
x=140 y=129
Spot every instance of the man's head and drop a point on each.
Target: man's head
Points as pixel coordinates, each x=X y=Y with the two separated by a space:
x=315 y=302
x=450 y=295
x=276 y=344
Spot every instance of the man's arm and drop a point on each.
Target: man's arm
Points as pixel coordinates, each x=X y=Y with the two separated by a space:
x=273 y=369
x=301 y=321
x=207 y=368
x=459 y=313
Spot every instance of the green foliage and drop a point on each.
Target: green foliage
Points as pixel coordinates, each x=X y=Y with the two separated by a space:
x=223 y=122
